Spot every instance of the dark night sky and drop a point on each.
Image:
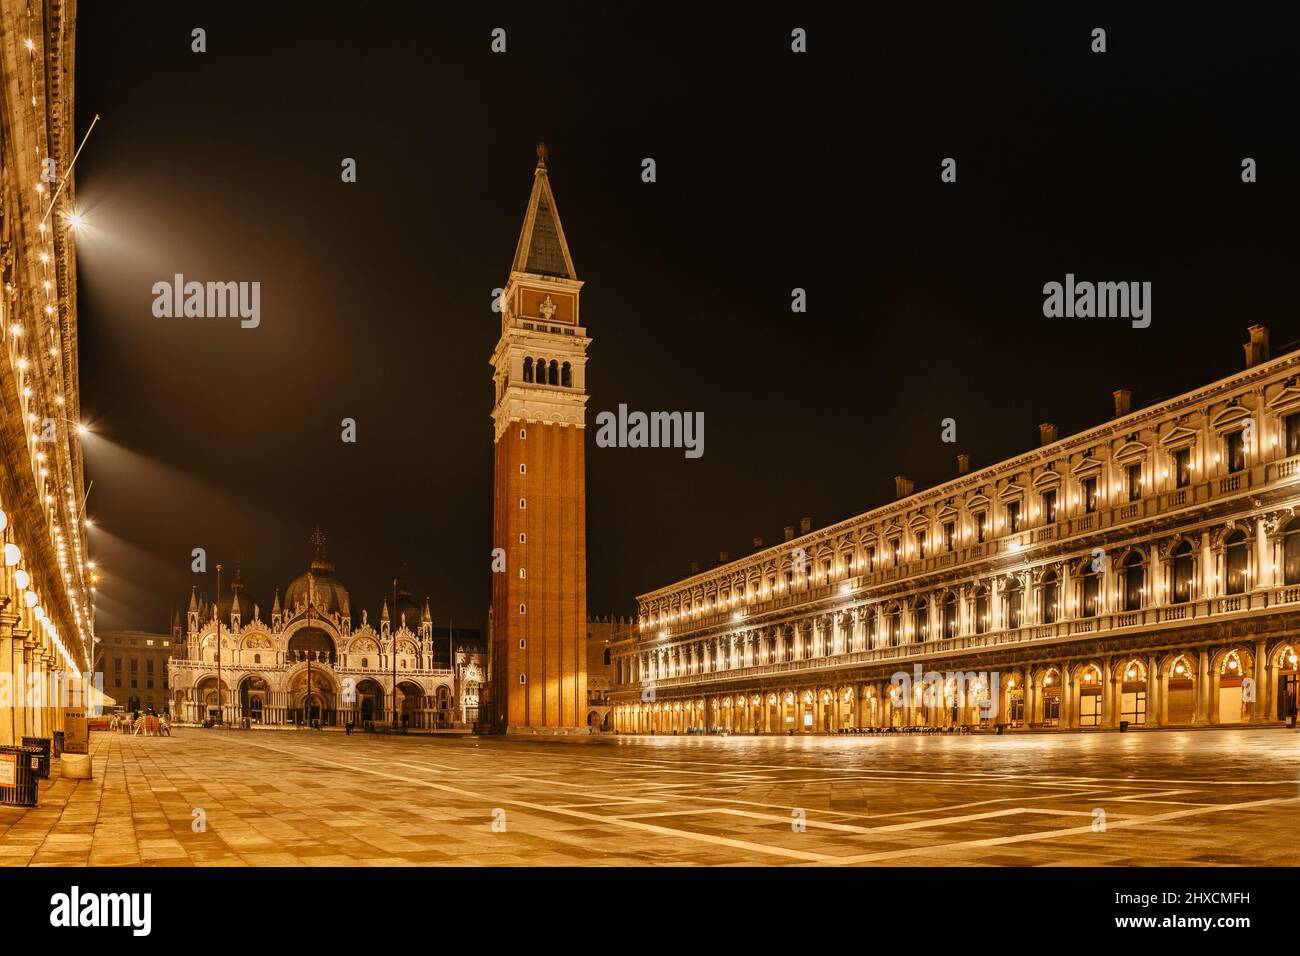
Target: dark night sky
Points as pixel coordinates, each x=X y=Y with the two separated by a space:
x=775 y=171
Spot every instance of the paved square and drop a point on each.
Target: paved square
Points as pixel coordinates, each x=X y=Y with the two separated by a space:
x=325 y=799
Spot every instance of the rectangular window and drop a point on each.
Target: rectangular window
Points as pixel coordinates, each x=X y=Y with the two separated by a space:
x=1182 y=468
x=893 y=550
x=1013 y=516
x=1134 y=476
x=920 y=545
x=1089 y=495
x=980 y=520
x=1049 y=507
x=1015 y=605
x=871 y=558
x=1293 y=434
x=949 y=535
x=1236 y=452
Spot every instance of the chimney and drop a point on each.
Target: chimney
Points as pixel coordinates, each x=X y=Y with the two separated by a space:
x=963 y=464
x=695 y=567
x=1123 y=402
x=1257 y=350
x=805 y=525
x=758 y=544
x=902 y=486
x=723 y=557
x=789 y=533
x=1046 y=434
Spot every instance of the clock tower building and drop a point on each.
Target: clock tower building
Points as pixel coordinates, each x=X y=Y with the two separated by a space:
x=539 y=598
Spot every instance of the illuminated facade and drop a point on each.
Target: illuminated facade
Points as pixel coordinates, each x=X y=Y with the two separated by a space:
x=1144 y=571
x=46 y=605
x=319 y=664
x=539 y=591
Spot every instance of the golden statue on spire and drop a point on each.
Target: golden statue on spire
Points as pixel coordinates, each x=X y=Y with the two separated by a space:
x=541 y=155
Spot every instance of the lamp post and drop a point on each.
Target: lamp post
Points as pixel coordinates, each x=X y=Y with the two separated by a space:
x=306 y=706
x=221 y=696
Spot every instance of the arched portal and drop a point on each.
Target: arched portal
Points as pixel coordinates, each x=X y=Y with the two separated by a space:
x=210 y=696
x=312 y=698
x=410 y=700
x=370 y=700
x=252 y=697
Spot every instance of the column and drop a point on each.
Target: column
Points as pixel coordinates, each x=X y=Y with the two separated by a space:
x=1261 y=711
x=7 y=622
x=1264 y=557
x=1202 y=710
x=1113 y=687
x=1153 y=691
x=1067 y=697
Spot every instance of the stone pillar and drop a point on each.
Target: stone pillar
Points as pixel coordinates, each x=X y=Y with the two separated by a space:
x=1202 y=710
x=1264 y=686
x=7 y=676
x=1067 y=697
x=1153 y=691
x=1264 y=557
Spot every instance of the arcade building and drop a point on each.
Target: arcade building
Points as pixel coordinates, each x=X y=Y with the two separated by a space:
x=316 y=663
x=1143 y=572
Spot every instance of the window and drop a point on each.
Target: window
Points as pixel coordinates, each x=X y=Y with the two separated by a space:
x=922 y=614
x=1237 y=557
x=523 y=572
x=871 y=558
x=980 y=520
x=920 y=546
x=1013 y=516
x=522 y=643
x=528 y=370
x=1051 y=598
x=523 y=433
x=893 y=551
x=1015 y=605
x=1091 y=592
x=1184 y=565
x=365 y=662
x=522 y=503
x=1291 y=554
x=1134 y=477
x=257 y=658
x=1236 y=452
x=523 y=538
x=981 y=610
x=1049 y=507
x=1089 y=495
x=949 y=535
x=1182 y=468
x=523 y=679
x=523 y=469
x=893 y=618
x=1134 y=579
x=522 y=608
x=1292 y=423
x=950 y=616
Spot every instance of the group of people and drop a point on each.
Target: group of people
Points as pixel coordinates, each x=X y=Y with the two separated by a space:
x=150 y=724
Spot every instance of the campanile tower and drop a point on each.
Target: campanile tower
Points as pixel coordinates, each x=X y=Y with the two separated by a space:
x=539 y=601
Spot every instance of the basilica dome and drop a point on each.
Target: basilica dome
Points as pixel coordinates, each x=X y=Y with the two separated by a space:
x=329 y=596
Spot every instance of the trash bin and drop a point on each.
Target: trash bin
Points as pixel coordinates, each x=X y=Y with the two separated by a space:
x=1123 y=726
x=58 y=743
x=43 y=745
x=18 y=770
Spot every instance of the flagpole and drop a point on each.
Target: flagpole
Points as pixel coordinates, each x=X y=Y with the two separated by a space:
x=306 y=706
x=392 y=643
x=221 y=696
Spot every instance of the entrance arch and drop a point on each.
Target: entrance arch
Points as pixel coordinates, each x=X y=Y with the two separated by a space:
x=370 y=700
x=253 y=690
x=410 y=700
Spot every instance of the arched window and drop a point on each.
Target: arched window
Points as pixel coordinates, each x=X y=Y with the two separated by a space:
x=554 y=378
x=1015 y=603
x=1090 y=588
x=365 y=662
x=1134 y=581
x=1291 y=553
x=921 y=610
x=1237 y=556
x=950 y=616
x=1051 y=597
x=1183 y=570
x=528 y=370
x=566 y=375
x=893 y=618
x=981 y=609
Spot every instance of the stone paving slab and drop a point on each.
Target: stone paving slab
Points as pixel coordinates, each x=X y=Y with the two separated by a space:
x=312 y=799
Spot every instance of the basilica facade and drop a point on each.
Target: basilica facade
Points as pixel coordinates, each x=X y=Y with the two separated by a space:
x=314 y=662
x=1142 y=573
